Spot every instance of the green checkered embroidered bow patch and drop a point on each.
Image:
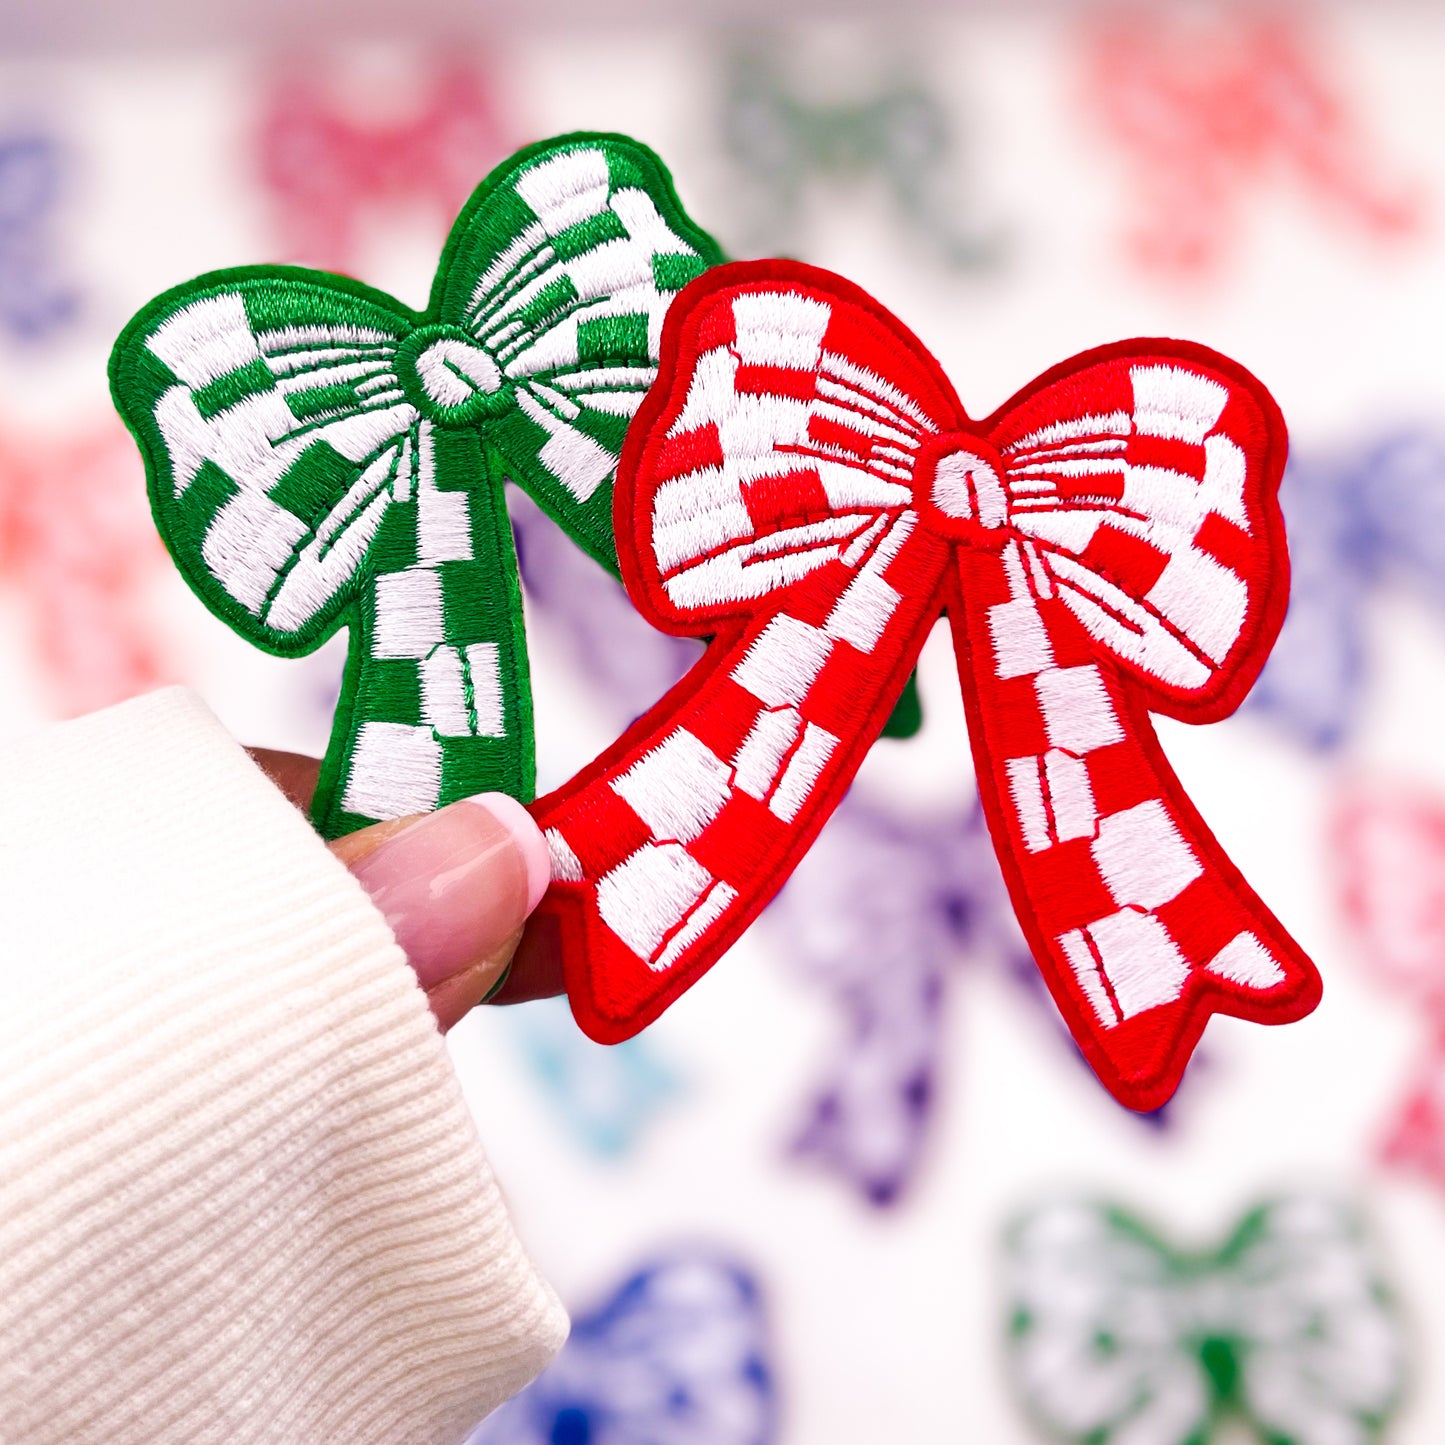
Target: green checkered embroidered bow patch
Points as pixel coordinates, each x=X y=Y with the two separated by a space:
x=320 y=456
x=1117 y=1339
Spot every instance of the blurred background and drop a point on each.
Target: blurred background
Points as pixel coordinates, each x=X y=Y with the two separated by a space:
x=783 y=1214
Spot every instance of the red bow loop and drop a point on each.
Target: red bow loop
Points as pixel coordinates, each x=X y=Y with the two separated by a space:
x=781 y=458
x=1142 y=487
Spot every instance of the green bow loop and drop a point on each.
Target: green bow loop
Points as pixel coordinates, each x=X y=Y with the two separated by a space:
x=1115 y=1338
x=319 y=455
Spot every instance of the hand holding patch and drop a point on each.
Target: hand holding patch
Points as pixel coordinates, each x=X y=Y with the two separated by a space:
x=804 y=483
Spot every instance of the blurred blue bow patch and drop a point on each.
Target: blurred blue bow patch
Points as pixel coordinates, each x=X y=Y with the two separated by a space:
x=678 y=1356
x=34 y=301
x=1358 y=521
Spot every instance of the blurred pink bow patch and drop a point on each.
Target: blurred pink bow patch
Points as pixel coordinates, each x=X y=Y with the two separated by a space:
x=1210 y=114
x=79 y=552
x=329 y=165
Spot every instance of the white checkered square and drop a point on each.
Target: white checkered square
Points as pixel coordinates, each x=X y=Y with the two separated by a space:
x=780 y=668
x=394 y=770
x=1142 y=858
x=207 y=340
x=1078 y=713
x=715 y=902
x=1053 y=797
x=780 y=329
x=646 y=896
x=807 y=762
x=248 y=542
x=1244 y=959
x=1021 y=645
x=461 y=691
x=760 y=757
x=1203 y=598
x=443 y=526
x=408 y=620
x=676 y=788
x=1126 y=963
x=1176 y=402
x=566 y=189
x=861 y=615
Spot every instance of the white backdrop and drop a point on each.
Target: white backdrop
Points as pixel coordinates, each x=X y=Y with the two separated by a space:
x=884 y=1326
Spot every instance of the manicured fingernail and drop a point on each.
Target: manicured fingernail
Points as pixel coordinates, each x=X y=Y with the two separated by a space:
x=528 y=838
x=457 y=885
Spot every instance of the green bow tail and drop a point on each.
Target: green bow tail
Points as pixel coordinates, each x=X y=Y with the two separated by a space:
x=1117 y=1339
x=320 y=456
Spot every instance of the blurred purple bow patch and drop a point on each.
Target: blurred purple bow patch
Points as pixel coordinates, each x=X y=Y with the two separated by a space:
x=34 y=303
x=679 y=1355
x=1358 y=522
x=888 y=956
x=588 y=609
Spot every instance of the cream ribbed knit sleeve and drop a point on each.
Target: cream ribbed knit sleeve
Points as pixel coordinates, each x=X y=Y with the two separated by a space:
x=241 y=1198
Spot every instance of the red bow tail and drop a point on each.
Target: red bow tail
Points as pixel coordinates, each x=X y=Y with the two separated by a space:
x=1140 y=924
x=680 y=836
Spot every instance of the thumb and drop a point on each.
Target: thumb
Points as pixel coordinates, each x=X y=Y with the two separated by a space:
x=456 y=886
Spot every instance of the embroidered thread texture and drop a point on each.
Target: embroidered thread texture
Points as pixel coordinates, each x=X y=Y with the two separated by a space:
x=881 y=914
x=34 y=302
x=803 y=483
x=1116 y=1338
x=901 y=137
x=328 y=173
x=78 y=547
x=1207 y=111
x=319 y=456
x=1360 y=522
x=681 y=1353
x=1390 y=851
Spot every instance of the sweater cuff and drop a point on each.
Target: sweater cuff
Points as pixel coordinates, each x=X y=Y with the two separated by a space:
x=241 y=1198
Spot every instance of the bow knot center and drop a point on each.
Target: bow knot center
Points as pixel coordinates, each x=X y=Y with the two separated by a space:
x=959 y=486
x=449 y=378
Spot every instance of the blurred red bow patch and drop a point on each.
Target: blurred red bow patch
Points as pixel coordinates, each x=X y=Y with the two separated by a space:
x=1390 y=852
x=804 y=484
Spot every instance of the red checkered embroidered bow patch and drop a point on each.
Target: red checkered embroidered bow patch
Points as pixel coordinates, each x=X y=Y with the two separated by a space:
x=803 y=483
